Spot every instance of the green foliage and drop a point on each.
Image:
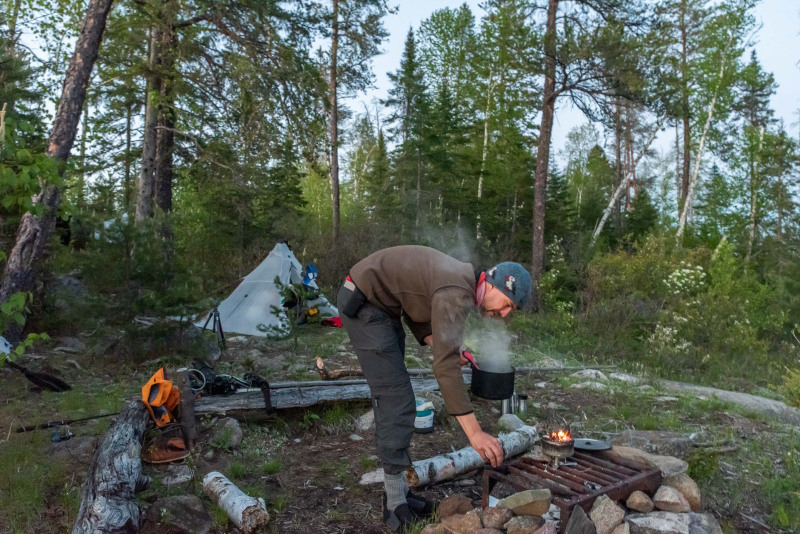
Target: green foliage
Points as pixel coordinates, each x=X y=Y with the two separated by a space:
x=791 y=387
x=272 y=466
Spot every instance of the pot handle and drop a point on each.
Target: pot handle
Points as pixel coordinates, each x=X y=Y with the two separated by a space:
x=471 y=359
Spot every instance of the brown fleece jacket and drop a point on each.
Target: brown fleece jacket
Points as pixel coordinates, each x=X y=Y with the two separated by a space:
x=433 y=293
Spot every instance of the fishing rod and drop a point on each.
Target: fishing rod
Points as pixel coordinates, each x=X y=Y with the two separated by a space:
x=63 y=422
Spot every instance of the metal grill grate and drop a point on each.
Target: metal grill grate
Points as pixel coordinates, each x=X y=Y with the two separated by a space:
x=574 y=485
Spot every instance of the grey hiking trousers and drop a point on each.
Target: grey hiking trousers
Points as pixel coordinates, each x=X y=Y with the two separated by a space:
x=380 y=342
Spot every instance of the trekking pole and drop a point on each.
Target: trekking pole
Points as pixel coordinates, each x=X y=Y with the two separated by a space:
x=63 y=422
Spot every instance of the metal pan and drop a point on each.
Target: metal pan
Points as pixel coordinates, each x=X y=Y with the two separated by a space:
x=587 y=444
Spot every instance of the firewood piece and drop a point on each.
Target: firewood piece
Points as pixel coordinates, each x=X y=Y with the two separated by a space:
x=108 y=503
x=336 y=374
x=187 y=407
x=247 y=513
x=448 y=466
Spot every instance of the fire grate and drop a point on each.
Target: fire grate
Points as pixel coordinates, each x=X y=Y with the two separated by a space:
x=574 y=485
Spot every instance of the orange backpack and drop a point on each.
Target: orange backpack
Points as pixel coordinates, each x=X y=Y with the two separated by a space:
x=160 y=397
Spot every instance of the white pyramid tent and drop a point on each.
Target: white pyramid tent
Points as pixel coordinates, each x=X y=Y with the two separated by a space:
x=249 y=309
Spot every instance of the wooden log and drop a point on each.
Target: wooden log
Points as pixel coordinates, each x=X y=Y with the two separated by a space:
x=187 y=407
x=247 y=513
x=336 y=374
x=108 y=504
x=448 y=466
x=249 y=404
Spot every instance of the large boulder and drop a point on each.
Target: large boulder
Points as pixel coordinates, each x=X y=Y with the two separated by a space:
x=182 y=514
x=688 y=489
x=524 y=524
x=669 y=465
x=670 y=500
x=529 y=502
x=226 y=434
x=673 y=523
x=463 y=523
x=640 y=502
x=655 y=442
x=606 y=515
x=453 y=505
x=496 y=516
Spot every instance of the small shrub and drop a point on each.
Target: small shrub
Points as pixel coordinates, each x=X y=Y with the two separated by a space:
x=791 y=387
x=237 y=470
x=272 y=466
x=703 y=465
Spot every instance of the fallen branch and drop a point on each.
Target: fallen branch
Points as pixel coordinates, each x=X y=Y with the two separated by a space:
x=247 y=513
x=325 y=374
x=108 y=503
x=448 y=466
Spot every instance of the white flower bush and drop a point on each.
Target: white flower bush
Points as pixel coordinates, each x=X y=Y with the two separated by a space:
x=666 y=339
x=686 y=280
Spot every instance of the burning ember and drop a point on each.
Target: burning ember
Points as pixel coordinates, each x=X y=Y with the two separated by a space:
x=560 y=435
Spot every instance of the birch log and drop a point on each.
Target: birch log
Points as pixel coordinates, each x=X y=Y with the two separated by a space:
x=108 y=503
x=247 y=513
x=448 y=466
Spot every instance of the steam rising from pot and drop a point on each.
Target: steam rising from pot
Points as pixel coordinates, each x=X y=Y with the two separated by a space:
x=490 y=341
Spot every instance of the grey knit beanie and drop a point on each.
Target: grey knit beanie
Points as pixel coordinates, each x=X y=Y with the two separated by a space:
x=512 y=280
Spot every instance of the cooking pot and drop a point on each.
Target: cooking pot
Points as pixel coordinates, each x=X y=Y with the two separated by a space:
x=492 y=386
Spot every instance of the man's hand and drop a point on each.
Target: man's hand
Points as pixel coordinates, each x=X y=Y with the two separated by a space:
x=487 y=446
x=428 y=340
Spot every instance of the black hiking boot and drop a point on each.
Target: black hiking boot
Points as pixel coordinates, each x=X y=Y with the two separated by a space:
x=401 y=520
x=421 y=506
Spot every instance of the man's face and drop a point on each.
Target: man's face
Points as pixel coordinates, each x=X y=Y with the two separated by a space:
x=495 y=303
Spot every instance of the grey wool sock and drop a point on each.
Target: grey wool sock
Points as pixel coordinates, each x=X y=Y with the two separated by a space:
x=396 y=489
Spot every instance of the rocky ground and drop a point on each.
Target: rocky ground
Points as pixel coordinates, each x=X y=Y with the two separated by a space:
x=306 y=464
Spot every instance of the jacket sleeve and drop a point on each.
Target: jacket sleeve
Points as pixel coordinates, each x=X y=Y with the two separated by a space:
x=419 y=330
x=450 y=308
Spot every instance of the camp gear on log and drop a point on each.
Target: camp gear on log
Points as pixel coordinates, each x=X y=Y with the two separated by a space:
x=160 y=397
x=164 y=445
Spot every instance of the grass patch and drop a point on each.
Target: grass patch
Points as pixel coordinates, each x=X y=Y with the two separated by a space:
x=237 y=470
x=368 y=464
x=272 y=466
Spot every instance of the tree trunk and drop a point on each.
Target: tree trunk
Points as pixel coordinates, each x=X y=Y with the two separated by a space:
x=34 y=230
x=687 y=127
x=619 y=172
x=108 y=503
x=754 y=185
x=678 y=180
x=334 y=124
x=165 y=115
x=127 y=188
x=484 y=153
x=146 y=186
x=543 y=153
x=622 y=183
x=693 y=179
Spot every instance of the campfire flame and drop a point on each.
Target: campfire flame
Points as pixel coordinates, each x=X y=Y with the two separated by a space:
x=560 y=435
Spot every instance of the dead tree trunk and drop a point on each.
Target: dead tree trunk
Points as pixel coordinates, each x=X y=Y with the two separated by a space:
x=543 y=153
x=687 y=126
x=144 y=196
x=334 y=124
x=165 y=116
x=108 y=503
x=23 y=263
